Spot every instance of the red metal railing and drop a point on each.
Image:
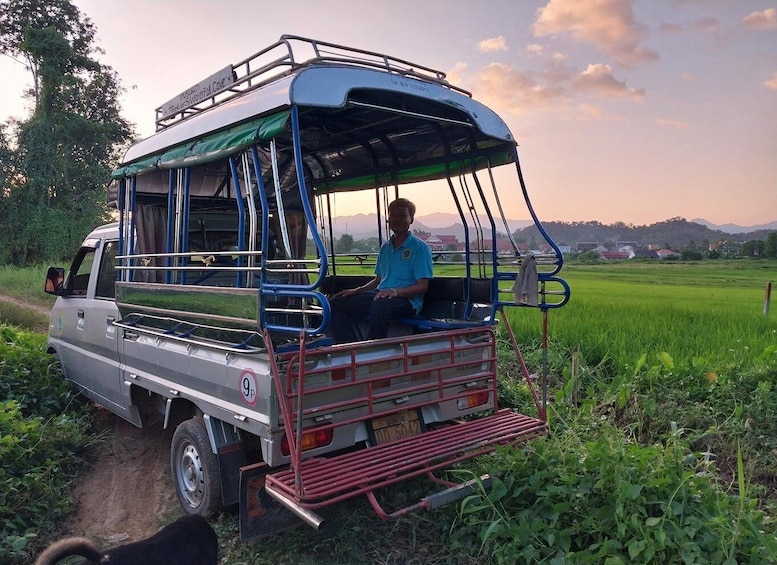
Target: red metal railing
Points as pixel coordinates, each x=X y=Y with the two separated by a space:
x=431 y=369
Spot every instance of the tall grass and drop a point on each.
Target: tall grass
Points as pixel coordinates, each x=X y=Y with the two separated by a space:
x=708 y=315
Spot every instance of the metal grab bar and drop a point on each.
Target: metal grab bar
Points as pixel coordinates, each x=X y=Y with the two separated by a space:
x=305 y=310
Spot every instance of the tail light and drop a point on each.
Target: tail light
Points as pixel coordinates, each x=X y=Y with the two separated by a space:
x=474 y=398
x=310 y=440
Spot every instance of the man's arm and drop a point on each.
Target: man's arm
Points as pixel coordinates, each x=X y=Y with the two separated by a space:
x=373 y=284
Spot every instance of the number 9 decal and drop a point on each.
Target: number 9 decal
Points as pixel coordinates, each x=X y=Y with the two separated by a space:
x=248 y=387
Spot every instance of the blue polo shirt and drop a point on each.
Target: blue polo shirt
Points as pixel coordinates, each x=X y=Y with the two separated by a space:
x=403 y=267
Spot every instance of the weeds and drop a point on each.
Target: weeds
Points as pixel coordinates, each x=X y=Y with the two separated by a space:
x=41 y=439
x=587 y=494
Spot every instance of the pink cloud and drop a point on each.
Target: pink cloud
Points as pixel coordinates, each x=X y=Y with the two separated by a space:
x=599 y=79
x=498 y=43
x=608 y=24
x=556 y=88
x=675 y=124
x=703 y=25
x=766 y=19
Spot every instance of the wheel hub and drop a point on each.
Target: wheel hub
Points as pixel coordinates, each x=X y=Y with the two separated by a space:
x=190 y=475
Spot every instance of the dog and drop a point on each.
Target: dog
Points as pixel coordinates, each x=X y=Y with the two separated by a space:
x=190 y=540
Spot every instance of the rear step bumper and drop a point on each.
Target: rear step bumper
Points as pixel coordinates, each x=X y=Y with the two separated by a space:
x=325 y=481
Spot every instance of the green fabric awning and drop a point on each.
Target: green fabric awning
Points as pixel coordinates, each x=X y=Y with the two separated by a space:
x=210 y=147
x=426 y=172
x=136 y=168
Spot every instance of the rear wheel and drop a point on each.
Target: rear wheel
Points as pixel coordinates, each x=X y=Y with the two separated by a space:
x=195 y=469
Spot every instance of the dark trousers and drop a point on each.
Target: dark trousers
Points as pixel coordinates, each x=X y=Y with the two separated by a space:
x=347 y=311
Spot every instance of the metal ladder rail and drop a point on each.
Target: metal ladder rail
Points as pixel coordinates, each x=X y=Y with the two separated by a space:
x=291 y=403
x=318 y=482
x=331 y=480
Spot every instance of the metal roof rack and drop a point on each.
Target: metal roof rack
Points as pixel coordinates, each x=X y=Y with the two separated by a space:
x=276 y=61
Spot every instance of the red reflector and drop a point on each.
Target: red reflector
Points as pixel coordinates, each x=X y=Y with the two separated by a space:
x=310 y=440
x=478 y=398
x=338 y=374
x=473 y=399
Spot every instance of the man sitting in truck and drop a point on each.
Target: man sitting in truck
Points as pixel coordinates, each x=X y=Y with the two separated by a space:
x=402 y=275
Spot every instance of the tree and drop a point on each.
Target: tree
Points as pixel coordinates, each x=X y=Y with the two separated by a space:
x=344 y=244
x=18 y=17
x=63 y=153
x=753 y=248
x=691 y=252
x=770 y=245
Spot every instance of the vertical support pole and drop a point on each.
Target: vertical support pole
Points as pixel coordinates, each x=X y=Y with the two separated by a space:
x=544 y=363
x=541 y=407
x=300 y=409
x=767 y=297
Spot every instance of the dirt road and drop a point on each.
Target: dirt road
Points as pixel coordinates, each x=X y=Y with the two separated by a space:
x=128 y=493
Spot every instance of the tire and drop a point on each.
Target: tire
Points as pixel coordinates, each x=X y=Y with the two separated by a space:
x=195 y=469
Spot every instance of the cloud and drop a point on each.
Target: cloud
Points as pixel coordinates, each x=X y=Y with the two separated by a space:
x=498 y=43
x=557 y=88
x=702 y=25
x=772 y=82
x=598 y=79
x=608 y=24
x=766 y=19
x=534 y=49
x=506 y=89
x=675 y=124
x=588 y=112
x=458 y=74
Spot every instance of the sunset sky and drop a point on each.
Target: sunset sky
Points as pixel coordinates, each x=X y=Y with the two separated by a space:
x=634 y=111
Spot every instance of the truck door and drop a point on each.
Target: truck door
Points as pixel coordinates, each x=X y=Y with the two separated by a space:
x=82 y=322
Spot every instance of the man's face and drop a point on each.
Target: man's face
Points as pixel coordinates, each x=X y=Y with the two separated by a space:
x=399 y=219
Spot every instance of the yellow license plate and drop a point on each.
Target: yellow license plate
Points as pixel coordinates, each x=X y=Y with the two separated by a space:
x=396 y=426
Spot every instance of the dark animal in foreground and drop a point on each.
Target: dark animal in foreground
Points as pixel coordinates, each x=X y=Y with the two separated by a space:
x=187 y=541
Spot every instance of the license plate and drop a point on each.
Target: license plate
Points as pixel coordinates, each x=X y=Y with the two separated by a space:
x=396 y=426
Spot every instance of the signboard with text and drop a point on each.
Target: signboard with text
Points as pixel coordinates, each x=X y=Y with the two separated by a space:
x=199 y=92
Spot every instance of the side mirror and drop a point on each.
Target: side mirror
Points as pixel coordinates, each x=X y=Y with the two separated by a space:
x=55 y=276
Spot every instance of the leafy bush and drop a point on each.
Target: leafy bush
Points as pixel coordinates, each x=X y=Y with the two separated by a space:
x=585 y=494
x=41 y=436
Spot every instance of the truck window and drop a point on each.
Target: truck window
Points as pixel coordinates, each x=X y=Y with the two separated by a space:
x=106 y=277
x=82 y=267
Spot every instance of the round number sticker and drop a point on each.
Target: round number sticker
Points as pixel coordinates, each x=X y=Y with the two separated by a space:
x=248 y=386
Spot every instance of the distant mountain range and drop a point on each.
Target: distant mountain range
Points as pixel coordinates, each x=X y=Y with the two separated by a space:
x=734 y=228
x=675 y=232
x=363 y=225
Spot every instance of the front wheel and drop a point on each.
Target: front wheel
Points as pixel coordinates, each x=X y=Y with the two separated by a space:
x=195 y=469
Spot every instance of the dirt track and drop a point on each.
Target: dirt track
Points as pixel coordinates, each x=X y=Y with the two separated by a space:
x=128 y=493
x=10 y=299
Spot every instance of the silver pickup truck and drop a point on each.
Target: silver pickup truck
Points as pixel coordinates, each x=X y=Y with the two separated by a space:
x=206 y=303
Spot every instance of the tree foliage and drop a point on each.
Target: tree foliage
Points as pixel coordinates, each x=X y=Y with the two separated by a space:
x=770 y=245
x=344 y=244
x=60 y=160
x=18 y=17
x=753 y=248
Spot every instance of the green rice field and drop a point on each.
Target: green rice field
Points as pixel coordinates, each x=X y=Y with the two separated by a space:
x=706 y=315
